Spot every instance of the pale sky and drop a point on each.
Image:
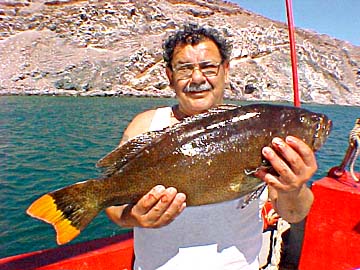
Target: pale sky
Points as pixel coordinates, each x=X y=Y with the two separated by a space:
x=337 y=18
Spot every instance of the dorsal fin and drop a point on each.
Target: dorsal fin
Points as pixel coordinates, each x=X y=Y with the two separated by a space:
x=122 y=154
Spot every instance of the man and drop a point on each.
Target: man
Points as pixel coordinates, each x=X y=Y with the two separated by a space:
x=168 y=235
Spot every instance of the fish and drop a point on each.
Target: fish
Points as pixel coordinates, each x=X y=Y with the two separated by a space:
x=210 y=157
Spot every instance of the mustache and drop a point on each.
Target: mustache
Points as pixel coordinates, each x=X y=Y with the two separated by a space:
x=197 y=87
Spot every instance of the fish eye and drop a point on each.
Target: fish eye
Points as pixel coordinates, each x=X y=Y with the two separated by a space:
x=302 y=118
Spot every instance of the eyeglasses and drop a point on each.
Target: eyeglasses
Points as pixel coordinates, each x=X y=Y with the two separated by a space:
x=207 y=68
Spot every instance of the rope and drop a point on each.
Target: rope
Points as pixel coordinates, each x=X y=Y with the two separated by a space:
x=354 y=141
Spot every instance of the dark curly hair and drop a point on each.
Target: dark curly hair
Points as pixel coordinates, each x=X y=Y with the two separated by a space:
x=193 y=34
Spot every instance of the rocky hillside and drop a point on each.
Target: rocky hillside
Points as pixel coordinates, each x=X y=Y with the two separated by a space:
x=92 y=48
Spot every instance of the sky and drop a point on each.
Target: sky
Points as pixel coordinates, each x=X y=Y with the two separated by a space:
x=337 y=18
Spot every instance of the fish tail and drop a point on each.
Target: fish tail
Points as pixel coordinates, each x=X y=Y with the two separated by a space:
x=68 y=210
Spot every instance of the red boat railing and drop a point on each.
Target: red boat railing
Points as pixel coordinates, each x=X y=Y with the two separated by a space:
x=115 y=253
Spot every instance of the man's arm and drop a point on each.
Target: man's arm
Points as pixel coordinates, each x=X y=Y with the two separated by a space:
x=160 y=205
x=295 y=164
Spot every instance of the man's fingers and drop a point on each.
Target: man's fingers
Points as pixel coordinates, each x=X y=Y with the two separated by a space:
x=291 y=162
x=302 y=149
x=174 y=209
x=292 y=159
x=171 y=211
x=279 y=165
x=146 y=203
x=159 y=207
x=162 y=205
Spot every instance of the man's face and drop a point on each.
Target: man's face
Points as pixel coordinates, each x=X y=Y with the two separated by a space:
x=199 y=89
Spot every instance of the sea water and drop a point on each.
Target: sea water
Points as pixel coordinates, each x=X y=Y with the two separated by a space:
x=51 y=142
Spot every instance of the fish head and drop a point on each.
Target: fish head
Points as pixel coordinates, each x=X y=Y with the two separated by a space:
x=319 y=128
x=312 y=127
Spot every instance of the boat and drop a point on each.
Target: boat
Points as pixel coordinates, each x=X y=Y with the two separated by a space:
x=106 y=253
x=332 y=230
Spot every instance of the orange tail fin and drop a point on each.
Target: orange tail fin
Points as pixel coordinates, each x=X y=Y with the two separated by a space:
x=67 y=210
x=45 y=209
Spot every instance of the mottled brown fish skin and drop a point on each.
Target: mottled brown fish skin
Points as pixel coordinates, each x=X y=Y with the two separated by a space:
x=204 y=156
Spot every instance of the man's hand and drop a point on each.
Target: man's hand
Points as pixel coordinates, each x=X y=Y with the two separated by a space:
x=157 y=208
x=294 y=163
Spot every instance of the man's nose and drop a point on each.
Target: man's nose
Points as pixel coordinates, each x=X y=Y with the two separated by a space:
x=197 y=76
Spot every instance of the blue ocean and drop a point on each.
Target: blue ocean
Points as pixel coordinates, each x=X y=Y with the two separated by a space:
x=50 y=142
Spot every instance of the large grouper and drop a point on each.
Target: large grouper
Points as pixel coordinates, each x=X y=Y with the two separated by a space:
x=209 y=157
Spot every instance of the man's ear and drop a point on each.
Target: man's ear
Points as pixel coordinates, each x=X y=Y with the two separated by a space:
x=169 y=75
x=226 y=65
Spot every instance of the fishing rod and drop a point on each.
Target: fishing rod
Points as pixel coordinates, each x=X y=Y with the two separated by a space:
x=291 y=29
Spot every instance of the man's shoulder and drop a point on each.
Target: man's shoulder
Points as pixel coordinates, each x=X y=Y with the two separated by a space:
x=145 y=115
x=142 y=120
x=141 y=123
x=148 y=115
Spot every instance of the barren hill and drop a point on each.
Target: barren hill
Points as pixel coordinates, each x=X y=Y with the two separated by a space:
x=87 y=48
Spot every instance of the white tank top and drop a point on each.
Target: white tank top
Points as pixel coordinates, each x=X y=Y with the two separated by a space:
x=216 y=236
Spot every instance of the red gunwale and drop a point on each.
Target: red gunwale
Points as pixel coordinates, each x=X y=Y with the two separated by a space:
x=114 y=253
